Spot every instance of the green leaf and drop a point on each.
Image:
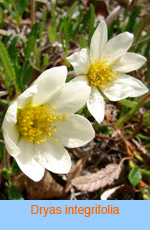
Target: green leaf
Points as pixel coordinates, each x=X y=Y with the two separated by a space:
x=89 y=15
x=31 y=40
x=147 y=55
x=52 y=34
x=77 y=26
x=27 y=72
x=147 y=118
x=86 y=21
x=45 y=61
x=14 y=167
x=1 y=16
x=66 y=33
x=14 y=193
x=128 y=103
x=12 y=48
x=37 y=53
x=53 y=10
x=6 y=5
x=111 y=30
x=44 y=15
x=147 y=146
x=135 y=176
x=1 y=150
x=4 y=112
x=119 y=28
x=147 y=138
x=126 y=12
x=6 y=39
x=84 y=111
x=7 y=65
x=6 y=173
x=82 y=41
x=72 y=9
x=92 y=17
x=4 y=101
x=104 y=129
x=19 y=73
x=138 y=27
x=132 y=21
x=41 y=30
x=21 y=5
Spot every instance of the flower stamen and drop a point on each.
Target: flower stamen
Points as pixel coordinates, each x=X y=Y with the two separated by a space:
x=36 y=124
x=100 y=73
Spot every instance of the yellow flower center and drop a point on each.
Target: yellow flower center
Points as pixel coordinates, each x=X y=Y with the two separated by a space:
x=37 y=123
x=101 y=74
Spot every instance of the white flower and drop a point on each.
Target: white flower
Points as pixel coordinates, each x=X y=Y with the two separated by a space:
x=41 y=121
x=104 y=68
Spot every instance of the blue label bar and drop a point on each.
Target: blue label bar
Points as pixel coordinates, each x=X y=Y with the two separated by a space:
x=74 y=214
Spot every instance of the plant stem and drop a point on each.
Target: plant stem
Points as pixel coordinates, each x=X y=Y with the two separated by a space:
x=124 y=119
x=32 y=5
x=6 y=159
x=17 y=90
x=138 y=157
x=143 y=171
x=140 y=32
x=7 y=164
x=144 y=25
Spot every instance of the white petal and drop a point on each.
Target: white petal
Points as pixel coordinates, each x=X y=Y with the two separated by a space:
x=98 y=41
x=72 y=97
x=80 y=61
x=117 y=46
x=75 y=131
x=129 y=62
x=11 y=136
x=26 y=97
x=96 y=105
x=53 y=156
x=80 y=79
x=10 y=116
x=48 y=84
x=123 y=87
x=27 y=162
